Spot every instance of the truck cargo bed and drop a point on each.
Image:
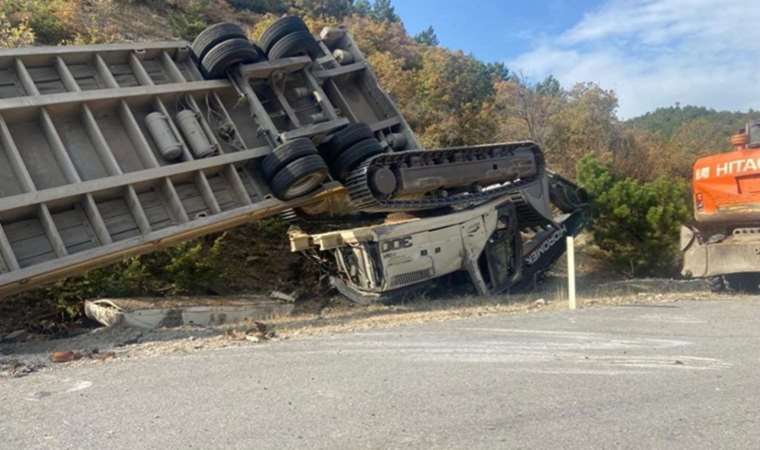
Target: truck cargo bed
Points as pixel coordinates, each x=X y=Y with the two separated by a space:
x=82 y=181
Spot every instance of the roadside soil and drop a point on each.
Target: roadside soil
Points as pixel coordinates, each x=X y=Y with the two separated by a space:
x=34 y=353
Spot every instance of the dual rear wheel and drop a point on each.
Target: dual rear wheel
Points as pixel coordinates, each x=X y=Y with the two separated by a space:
x=289 y=36
x=349 y=147
x=222 y=46
x=294 y=168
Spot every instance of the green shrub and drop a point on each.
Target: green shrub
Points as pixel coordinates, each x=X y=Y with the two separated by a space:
x=46 y=18
x=189 y=19
x=194 y=266
x=18 y=35
x=252 y=258
x=260 y=6
x=636 y=224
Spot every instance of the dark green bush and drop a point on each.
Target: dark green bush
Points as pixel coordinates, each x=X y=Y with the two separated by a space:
x=636 y=224
x=46 y=18
x=189 y=19
x=260 y=6
x=190 y=268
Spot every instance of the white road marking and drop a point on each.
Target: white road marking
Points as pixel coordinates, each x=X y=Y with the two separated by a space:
x=596 y=340
x=534 y=351
x=56 y=386
x=80 y=386
x=667 y=318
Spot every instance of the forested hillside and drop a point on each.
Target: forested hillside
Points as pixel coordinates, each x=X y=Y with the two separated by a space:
x=449 y=97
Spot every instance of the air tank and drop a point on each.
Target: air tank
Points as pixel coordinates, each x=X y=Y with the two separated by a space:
x=169 y=146
x=343 y=57
x=194 y=135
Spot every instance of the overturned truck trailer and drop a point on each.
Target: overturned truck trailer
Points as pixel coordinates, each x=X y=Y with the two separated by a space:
x=115 y=150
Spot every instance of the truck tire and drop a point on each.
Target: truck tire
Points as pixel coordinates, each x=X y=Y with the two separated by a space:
x=228 y=54
x=214 y=35
x=299 y=177
x=344 y=139
x=294 y=44
x=747 y=283
x=284 y=155
x=281 y=28
x=350 y=158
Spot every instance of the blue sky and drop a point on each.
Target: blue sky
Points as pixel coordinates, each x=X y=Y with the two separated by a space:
x=650 y=52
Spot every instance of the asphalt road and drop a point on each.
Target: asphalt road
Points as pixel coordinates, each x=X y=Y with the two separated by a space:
x=682 y=375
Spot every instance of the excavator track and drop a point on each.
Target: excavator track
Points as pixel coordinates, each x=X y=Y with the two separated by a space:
x=428 y=179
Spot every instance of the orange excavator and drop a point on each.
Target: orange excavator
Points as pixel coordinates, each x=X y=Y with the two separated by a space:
x=723 y=242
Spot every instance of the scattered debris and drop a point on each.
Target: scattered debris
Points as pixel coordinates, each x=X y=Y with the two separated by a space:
x=104 y=311
x=151 y=314
x=102 y=356
x=277 y=295
x=678 y=362
x=257 y=332
x=64 y=357
x=13 y=368
x=102 y=345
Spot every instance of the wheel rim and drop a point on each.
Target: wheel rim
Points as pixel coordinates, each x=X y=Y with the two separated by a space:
x=304 y=185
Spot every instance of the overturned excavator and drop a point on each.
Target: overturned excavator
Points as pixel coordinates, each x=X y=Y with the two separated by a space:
x=119 y=149
x=505 y=244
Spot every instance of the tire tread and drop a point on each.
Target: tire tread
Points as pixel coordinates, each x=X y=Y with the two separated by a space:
x=293 y=172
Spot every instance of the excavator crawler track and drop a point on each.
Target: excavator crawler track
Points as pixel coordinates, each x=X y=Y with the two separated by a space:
x=428 y=179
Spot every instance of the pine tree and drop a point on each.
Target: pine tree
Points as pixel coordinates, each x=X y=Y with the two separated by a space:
x=383 y=11
x=362 y=8
x=427 y=37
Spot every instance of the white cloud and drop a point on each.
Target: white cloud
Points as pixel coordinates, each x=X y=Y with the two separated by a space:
x=659 y=52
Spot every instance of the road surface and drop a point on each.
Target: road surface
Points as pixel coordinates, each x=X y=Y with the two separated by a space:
x=681 y=375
